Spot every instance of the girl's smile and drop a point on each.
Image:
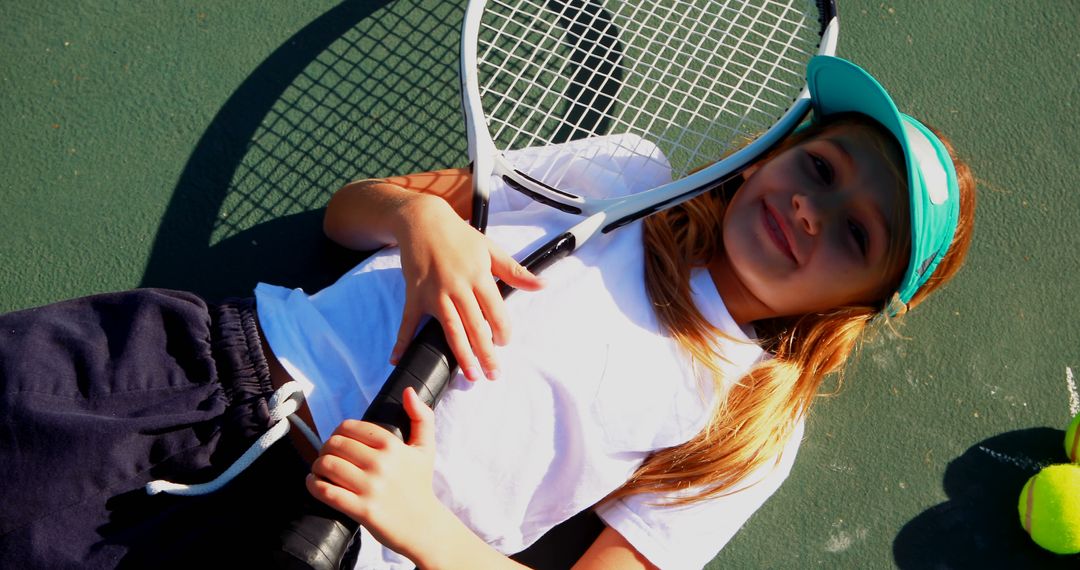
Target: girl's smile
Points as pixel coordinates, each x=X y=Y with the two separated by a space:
x=778 y=231
x=818 y=226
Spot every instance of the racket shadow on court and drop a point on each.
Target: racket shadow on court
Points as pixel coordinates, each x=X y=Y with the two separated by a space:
x=367 y=89
x=979 y=526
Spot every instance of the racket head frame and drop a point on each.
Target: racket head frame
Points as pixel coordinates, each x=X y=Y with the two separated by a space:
x=488 y=160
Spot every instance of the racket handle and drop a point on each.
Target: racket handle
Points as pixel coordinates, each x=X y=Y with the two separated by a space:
x=324 y=539
x=426 y=365
x=319 y=538
x=316 y=539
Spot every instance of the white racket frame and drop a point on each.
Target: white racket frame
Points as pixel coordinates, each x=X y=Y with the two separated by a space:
x=605 y=214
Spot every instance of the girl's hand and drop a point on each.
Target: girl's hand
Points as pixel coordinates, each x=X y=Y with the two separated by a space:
x=450 y=270
x=380 y=481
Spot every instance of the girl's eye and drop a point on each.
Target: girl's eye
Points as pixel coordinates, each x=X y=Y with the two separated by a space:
x=862 y=240
x=822 y=169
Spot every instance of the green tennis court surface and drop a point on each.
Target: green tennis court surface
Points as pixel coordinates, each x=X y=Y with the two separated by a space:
x=192 y=145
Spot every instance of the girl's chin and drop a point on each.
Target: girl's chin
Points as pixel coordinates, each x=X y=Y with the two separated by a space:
x=767 y=269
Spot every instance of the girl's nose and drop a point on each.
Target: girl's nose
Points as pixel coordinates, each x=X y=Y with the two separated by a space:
x=807 y=213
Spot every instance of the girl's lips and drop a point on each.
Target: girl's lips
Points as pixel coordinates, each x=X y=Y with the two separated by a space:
x=774 y=227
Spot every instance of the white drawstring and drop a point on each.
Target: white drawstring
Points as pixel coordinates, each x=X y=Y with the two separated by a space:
x=283 y=406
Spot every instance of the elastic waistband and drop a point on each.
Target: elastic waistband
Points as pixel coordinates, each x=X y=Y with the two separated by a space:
x=257 y=415
x=234 y=341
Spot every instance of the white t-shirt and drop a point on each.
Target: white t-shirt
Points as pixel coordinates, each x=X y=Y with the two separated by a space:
x=589 y=385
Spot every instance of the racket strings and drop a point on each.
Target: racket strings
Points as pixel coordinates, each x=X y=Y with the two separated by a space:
x=541 y=74
x=669 y=81
x=707 y=80
x=696 y=77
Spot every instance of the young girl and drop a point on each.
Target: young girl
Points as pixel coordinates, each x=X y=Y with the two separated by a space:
x=660 y=376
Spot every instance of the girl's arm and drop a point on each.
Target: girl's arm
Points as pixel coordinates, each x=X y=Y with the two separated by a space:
x=361 y=214
x=449 y=267
x=611 y=551
x=385 y=484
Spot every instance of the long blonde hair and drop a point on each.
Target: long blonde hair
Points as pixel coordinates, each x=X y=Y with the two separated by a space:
x=754 y=419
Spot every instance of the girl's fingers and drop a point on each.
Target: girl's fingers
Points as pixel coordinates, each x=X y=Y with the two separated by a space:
x=350 y=449
x=422 y=418
x=479 y=335
x=336 y=497
x=365 y=433
x=352 y=453
x=468 y=305
x=410 y=319
x=339 y=472
x=457 y=339
x=491 y=303
x=513 y=273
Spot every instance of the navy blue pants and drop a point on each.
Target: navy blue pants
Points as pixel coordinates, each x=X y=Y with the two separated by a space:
x=102 y=394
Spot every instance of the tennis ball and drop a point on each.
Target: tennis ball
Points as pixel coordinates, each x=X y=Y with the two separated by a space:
x=1072 y=439
x=1050 y=508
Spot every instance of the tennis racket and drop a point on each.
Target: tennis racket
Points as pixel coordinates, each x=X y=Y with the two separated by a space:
x=708 y=82
x=714 y=83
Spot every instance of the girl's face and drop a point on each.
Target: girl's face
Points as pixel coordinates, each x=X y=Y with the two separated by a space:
x=811 y=229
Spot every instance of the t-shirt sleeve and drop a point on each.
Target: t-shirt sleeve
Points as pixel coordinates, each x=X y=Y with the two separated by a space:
x=599 y=167
x=678 y=537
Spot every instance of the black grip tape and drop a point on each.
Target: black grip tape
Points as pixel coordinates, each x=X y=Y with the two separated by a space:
x=426 y=366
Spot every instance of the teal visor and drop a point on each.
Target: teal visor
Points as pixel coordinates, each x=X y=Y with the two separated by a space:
x=839 y=86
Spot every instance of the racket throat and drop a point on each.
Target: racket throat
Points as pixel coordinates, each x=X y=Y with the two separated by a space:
x=520 y=187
